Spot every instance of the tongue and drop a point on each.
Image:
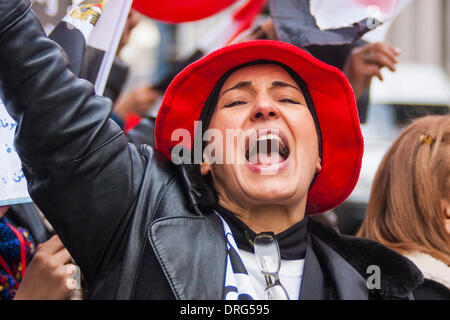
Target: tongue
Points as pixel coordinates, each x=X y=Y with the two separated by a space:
x=268 y=159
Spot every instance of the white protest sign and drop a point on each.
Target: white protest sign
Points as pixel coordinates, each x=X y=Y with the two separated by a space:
x=13 y=185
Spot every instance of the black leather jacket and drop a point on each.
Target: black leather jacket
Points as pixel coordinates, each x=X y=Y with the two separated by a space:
x=121 y=211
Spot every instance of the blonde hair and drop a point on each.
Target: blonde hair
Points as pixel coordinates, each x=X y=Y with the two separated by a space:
x=404 y=212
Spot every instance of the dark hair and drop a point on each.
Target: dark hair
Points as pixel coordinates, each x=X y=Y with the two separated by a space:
x=203 y=185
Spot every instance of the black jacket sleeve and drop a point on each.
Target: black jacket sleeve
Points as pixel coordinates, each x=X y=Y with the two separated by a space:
x=81 y=171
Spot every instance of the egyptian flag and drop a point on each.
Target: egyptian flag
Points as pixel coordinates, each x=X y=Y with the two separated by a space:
x=89 y=34
x=73 y=32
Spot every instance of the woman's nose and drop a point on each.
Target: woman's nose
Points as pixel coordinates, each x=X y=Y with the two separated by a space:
x=264 y=109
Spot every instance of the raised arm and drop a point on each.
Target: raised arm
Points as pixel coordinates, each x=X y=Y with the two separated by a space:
x=80 y=169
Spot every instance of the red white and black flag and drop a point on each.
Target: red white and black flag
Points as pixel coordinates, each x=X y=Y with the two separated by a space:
x=89 y=32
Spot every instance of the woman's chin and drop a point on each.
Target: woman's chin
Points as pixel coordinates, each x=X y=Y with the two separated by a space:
x=273 y=192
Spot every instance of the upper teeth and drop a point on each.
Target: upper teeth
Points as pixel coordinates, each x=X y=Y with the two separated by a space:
x=272 y=136
x=279 y=147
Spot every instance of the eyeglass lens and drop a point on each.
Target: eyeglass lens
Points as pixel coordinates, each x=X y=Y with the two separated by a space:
x=267 y=253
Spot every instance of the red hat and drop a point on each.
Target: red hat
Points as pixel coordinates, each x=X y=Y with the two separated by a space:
x=331 y=93
x=176 y=11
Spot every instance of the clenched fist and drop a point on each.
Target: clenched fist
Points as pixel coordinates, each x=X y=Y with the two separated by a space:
x=49 y=274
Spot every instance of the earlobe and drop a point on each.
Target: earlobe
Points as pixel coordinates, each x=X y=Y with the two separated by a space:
x=205 y=168
x=446 y=210
x=447 y=225
x=319 y=165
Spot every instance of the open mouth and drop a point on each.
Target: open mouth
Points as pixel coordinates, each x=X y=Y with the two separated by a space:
x=268 y=147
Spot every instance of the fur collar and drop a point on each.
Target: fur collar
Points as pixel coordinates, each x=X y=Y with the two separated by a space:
x=399 y=276
x=431 y=268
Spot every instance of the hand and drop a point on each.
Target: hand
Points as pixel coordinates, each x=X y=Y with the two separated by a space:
x=3 y=210
x=132 y=21
x=269 y=30
x=264 y=31
x=47 y=277
x=365 y=61
x=138 y=101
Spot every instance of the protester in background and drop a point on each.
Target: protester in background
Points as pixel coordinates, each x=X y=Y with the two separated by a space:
x=28 y=272
x=143 y=225
x=119 y=70
x=409 y=206
x=137 y=101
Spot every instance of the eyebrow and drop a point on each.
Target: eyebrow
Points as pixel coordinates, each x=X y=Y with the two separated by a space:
x=243 y=84
x=284 y=84
x=239 y=85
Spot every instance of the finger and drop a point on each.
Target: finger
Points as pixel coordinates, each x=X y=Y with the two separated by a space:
x=386 y=49
x=62 y=257
x=3 y=210
x=51 y=246
x=389 y=52
x=394 y=51
x=71 y=269
x=374 y=70
x=379 y=75
x=72 y=280
x=378 y=50
x=382 y=60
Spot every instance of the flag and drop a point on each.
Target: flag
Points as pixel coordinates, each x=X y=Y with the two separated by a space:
x=89 y=34
x=329 y=22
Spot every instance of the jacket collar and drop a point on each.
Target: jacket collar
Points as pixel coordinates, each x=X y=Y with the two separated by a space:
x=191 y=275
x=399 y=276
x=431 y=267
x=341 y=282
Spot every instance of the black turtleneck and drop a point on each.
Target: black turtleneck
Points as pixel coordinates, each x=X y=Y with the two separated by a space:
x=292 y=241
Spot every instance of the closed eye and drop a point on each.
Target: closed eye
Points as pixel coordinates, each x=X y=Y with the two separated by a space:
x=289 y=101
x=234 y=103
